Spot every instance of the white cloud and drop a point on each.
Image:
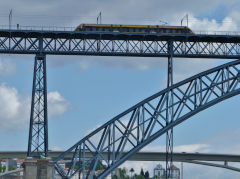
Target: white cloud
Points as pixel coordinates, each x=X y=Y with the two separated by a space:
x=56 y=148
x=15 y=108
x=212 y=25
x=7 y=67
x=57 y=104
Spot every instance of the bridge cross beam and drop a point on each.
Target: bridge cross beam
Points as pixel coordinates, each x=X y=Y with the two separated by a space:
x=169 y=111
x=38 y=129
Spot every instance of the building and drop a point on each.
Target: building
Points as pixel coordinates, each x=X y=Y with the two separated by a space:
x=175 y=172
x=159 y=172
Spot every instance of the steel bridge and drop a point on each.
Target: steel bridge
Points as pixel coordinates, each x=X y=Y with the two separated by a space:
x=133 y=129
x=119 y=44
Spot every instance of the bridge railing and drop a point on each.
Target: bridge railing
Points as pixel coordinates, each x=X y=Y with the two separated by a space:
x=217 y=32
x=38 y=28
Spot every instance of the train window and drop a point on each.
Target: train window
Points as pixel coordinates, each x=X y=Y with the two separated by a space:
x=115 y=29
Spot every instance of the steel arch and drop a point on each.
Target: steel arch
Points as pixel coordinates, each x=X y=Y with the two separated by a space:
x=133 y=129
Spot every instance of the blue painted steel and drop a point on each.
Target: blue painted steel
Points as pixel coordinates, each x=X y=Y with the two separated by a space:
x=169 y=113
x=118 y=44
x=38 y=129
x=133 y=129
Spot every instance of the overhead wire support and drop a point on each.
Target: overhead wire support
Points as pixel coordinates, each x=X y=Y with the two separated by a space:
x=99 y=18
x=10 y=19
x=185 y=17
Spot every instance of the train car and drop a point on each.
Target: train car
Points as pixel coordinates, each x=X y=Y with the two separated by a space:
x=133 y=29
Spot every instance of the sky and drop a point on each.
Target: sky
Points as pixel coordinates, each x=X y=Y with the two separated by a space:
x=85 y=92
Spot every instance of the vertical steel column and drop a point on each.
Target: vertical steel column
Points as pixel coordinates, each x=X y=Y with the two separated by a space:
x=38 y=130
x=169 y=112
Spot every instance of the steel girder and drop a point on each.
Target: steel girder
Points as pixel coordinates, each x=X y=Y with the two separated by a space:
x=133 y=129
x=169 y=112
x=225 y=165
x=38 y=129
x=119 y=44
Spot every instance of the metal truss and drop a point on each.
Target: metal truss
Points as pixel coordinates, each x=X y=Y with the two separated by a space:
x=138 y=126
x=38 y=129
x=169 y=113
x=119 y=44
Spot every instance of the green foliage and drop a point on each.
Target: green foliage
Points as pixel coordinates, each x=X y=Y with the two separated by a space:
x=123 y=174
x=146 y=175
x=114 y=177
x=139 y=177
x=142 y=172
x=3 y=169
x=10 y=168
x=98 y=167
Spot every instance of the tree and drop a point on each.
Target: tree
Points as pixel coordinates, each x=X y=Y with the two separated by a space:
x=139 y=177
x=142 y=172
x=114 y=177
x=3 y=169
x=146 y=175
x=123 y=174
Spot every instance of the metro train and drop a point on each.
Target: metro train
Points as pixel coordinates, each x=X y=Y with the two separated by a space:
x=154 y=29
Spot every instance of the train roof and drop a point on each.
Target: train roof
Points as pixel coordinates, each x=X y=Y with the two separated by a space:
x=132 y=26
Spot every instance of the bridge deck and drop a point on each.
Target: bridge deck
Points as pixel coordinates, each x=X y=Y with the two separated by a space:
x=140 y=156
x=119 y=44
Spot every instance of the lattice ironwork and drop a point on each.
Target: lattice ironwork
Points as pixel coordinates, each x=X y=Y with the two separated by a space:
x=169 y=113
x=133 y=129
x=119 y=44
x=38 y=130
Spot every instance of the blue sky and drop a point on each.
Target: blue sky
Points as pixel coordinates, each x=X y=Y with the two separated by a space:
x=85 y=91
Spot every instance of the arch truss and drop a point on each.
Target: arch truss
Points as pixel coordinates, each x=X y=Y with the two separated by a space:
x=133 y=129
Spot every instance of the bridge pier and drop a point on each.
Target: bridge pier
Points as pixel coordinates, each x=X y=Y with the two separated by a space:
x=169 y=112
x=38 y=168
x=38 y=129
